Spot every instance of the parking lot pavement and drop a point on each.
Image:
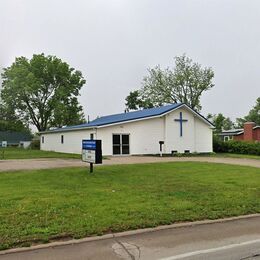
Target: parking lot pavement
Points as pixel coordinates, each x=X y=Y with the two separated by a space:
x=33 y=164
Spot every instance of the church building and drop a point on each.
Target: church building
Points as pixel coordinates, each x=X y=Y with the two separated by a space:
x=177 y=127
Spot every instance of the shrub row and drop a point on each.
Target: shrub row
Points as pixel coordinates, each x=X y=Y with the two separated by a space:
x=239 y=147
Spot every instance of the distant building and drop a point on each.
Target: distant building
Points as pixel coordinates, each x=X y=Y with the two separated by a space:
x=250 y=132
x=177 y=127
x=12 y=138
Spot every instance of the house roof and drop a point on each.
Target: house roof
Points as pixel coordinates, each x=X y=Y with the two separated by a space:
x=127 y=117
x=14 y=137
x=238 y=131
x=232 y=131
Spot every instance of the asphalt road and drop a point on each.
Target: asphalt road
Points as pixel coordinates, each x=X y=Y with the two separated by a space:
x=232 y=240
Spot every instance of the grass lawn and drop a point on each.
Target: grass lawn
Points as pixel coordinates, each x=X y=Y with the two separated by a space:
x=20 y=153
x=234 y=155
x=48 y=204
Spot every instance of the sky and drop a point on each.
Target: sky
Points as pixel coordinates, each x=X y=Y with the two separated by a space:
x=113 y=42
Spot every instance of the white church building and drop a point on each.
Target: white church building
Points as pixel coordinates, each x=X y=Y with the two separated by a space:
x=180 y=128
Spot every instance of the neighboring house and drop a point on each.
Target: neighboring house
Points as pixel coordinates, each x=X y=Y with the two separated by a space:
x=227 y=135
x=250 y=132
x=15 y=139
x=180 y=128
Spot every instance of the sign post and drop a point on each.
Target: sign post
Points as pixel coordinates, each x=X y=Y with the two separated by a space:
x=91 y=152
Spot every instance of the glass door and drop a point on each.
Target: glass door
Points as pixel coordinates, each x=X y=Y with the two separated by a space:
x=125 y=144
x=121 y=144
x=116 y=144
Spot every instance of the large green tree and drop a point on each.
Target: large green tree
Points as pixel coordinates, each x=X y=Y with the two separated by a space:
x=43 y=90
x=185 y=84
x=253 y=115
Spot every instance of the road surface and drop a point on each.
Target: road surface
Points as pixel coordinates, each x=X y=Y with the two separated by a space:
x=231 y=240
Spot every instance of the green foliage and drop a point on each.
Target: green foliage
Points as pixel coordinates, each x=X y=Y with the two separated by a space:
x=43 y=90
x=35 y=144
x=11 y=153
x=218 y=145
x=253 y=115
x=10 y=122
x=184 y=84
x=70 y=202
x=220 y=122
x=134 y=101
x=237 y=147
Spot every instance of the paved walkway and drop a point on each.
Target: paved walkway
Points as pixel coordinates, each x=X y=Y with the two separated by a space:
x=33 y=164
x=233 y=239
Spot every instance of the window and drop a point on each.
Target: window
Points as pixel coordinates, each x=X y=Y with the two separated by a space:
x=62 y=139
x=42 y=139
x=227 y=138
x=91 y=136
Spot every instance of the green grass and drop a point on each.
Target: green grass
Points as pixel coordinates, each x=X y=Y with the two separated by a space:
x=20 y=153
x=221 y=155
x=46 y=204
x=234 y=155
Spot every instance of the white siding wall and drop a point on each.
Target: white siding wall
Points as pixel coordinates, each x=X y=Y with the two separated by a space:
x=72 y=141
x=144 y=136
x=203 y=137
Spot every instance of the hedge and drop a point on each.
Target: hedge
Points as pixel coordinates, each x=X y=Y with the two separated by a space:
x=240 y=147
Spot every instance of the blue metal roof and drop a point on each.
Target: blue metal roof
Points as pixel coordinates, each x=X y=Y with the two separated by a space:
x=117 y=118
x=105 y=120
x=123 y=117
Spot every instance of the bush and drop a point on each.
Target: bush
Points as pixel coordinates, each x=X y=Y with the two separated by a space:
x=35 y=144
x=240 y=147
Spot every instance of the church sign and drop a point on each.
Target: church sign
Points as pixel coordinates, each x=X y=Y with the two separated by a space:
x=91 y=152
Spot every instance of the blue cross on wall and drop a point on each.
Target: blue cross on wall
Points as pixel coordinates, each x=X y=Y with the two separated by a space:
x=181 y=120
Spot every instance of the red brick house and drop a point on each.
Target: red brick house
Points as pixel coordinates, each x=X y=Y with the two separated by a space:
x=250 y=132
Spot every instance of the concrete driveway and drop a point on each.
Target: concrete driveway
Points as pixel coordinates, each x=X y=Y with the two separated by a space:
x=33 y=164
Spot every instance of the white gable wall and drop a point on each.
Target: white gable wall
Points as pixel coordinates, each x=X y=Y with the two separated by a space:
x=196 y=134
x=174 y=142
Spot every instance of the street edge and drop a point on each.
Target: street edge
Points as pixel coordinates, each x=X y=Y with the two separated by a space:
x=125 y=233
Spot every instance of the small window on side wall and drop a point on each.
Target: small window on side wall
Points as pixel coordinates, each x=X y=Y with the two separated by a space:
x=62 y=139
x=91 y=136
x=42 y=139
x=226 y=138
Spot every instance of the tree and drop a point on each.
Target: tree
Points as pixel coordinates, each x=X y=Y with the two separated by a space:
x=220 y=122
x=184 y=84
x=134 y=101
x=43 y=90
x=10 y=122
x=253 y=115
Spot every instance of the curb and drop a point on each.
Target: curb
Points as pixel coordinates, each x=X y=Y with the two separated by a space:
x=126 y=233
